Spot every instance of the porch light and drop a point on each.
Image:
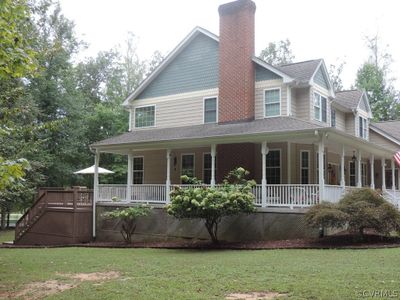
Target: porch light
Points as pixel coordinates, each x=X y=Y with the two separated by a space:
x=354 y=158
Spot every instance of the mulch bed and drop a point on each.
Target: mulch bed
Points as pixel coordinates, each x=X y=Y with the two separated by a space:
x=339 y=241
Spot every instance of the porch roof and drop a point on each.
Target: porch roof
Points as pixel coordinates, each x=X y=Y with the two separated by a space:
x=268 y=125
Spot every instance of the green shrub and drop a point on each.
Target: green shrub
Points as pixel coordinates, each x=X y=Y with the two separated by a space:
x=359 y=210
x=214 y=203
x=128 y=217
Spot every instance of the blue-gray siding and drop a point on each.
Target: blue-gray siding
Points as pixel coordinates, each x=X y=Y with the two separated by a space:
x=264 y=74
x=195 y=68
x=363 y=104
x=321 y=79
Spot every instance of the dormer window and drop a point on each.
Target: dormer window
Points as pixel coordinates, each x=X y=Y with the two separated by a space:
x=210 y=110
x=319 y=108
x=272 y=101
x=363 y=127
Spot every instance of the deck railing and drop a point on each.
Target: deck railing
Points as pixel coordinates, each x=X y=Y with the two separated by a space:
x=333 y=193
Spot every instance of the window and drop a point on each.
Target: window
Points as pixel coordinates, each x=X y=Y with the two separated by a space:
x=319 y=107
x=305 y=166
x=187 y=165
x=364 y=174
x=363 y=128
x=273 y=171
x=333 y=118
x=272 y=103
x=352 y=174
x=138 y=170
x=210 y=110
x=207 y=167
x=145 y=116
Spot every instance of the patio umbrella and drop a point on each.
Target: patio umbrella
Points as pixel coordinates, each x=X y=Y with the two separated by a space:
x=90 y=170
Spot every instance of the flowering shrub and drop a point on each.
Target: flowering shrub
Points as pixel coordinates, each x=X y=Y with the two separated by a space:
x=128 y=217
x=213 y=203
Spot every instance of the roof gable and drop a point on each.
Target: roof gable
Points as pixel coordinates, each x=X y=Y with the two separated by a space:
x=192 y=65
x=321 y=79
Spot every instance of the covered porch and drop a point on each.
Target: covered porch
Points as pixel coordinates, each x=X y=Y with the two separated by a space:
x=285 y=166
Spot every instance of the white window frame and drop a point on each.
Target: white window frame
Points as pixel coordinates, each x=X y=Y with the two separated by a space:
x=280 y=102
x=155 y=115
x=133 y=169
x=194 y=163
x=280 y=163
x=216 y=109
x=364 y=123
x=320 y=107
x=301 y=165
x=204 y=154
x=355 y=173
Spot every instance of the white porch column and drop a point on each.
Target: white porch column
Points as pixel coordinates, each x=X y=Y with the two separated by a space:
x=289 y=161
x=342 y=178
x=168 y=180
x=129 y=180
x=321 y=181
x=383 y=164
x=213 y=154
x=264 y=151
x=371 y=161
x=393 y=177
x=95 y=191
x=359 y=181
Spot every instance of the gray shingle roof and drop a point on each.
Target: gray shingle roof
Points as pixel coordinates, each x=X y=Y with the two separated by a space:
x=348 y=99
x=269 y=125
x=302 y=71
x=391 y=128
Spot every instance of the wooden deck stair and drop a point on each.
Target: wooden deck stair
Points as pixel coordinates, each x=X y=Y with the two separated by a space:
x=57 y=217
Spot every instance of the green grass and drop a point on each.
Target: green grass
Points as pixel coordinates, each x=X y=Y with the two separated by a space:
x=6 y=235
x=190 y=274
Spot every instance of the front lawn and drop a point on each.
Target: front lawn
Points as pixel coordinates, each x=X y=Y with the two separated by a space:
x=193 y=274
x=7 y=235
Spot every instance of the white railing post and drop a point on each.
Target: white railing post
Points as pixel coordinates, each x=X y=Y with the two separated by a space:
x=383 y=165
x=321 y=180
x=95 y=190
x=393 y=179
x=129 y=180
x=372 y=159
x=213 y=153
x=359 y=176
x=342 y=176
x=168 y=180
x=264 y=151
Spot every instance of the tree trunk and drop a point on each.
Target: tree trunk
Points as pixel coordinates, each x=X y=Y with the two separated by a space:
x=8 y=219
x=212 y=228
x=3 y=219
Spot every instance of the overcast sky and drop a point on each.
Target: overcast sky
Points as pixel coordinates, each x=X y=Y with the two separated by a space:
x=333 y=30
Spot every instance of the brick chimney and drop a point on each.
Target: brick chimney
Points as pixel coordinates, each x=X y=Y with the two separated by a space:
x=236 y=69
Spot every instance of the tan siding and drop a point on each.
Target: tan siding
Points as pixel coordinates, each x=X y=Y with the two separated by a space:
x=382 y=141
x=176 y=110
x=301 y=100
x=350 y=125
x=340 y=120
x=293 y=103
x=261 y=86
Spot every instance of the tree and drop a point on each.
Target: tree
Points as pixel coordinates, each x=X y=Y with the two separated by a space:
x=155 y=61
x=335 y=73
x=359 y=210
x=278 y=53
x=128 y=218
x=212 y=204
x=372 y=76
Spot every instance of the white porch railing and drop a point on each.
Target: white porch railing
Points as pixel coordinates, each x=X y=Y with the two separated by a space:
x=292 y=195
x=333 y=193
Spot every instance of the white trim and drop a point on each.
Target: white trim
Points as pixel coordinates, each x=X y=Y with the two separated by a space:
x=320 y=107
x=308 y=167
x=216 y=109
x=170 y=57
x=133 y=170
x=155 y=116
x=280 y=163
x=130 y=120
x=280 y=101
x=194 y=163
x=289 y=101
x=363 y=97
x=286 y=78
x=325 y=70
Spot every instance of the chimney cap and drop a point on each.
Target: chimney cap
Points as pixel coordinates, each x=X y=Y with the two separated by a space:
x=236 y=6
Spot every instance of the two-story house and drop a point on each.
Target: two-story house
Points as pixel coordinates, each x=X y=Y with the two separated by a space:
x=212 y=105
